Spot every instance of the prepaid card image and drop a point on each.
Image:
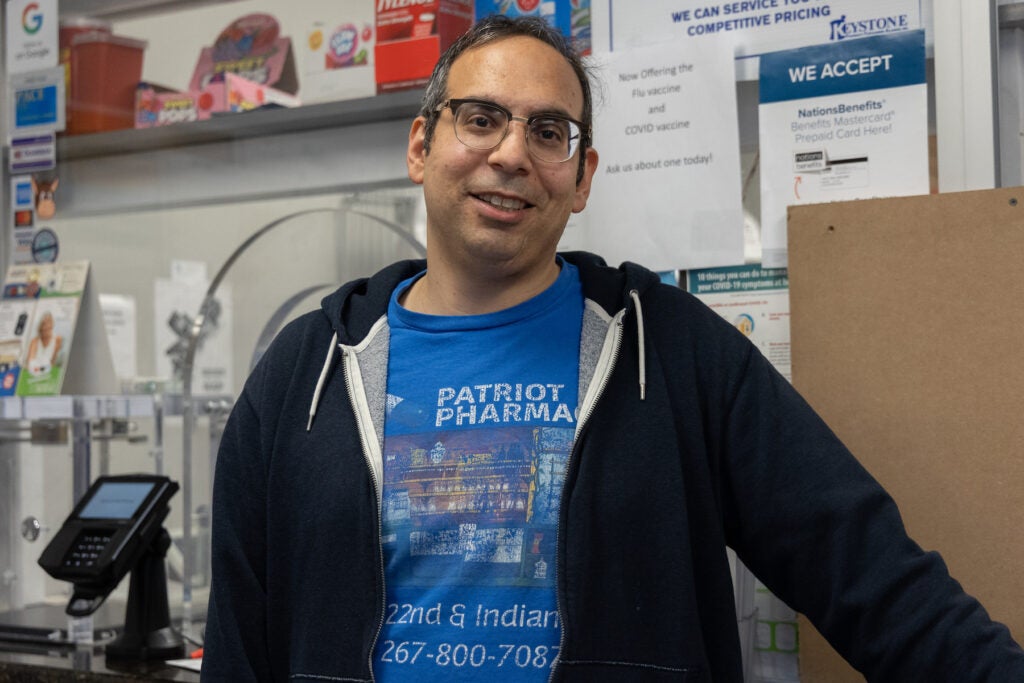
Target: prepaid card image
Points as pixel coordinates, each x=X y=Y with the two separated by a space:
x=840 y=121
x=667 y=190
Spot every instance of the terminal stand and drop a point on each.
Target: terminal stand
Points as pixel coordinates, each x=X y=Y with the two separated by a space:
x=147 y=630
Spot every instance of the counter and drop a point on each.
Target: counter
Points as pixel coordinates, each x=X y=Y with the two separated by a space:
x=65 y=664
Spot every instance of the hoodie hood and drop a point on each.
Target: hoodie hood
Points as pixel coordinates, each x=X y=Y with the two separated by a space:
x=611 y=288
x=356 y=307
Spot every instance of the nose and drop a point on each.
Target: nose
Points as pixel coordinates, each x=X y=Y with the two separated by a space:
x=512 y=154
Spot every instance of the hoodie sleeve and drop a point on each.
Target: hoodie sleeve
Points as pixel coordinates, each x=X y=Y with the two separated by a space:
x=825 y=537
x=236 y=647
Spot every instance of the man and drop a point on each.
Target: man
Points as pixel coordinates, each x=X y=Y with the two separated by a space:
x=527 y=466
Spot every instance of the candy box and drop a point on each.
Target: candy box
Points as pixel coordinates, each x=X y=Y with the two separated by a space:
x=579 y=26
x=571 y=17
x=157 y=105
x=229 y=93
x=411 y=35
x=337 y=58
x=250 y=47
x=555 y=12
x=249 y=65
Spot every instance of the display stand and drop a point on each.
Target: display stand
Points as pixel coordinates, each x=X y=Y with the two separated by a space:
x=74 y=358
x=90 y=365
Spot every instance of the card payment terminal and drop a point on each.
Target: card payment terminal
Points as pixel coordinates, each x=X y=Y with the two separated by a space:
x=115 y=528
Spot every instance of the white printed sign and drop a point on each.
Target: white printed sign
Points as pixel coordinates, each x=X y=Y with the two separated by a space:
x=751 y=27
x=841 y=122
x=119 y=319
x=31 y=35
x=667 y=192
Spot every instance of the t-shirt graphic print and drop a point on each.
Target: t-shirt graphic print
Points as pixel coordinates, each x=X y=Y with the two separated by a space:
x=480 y=422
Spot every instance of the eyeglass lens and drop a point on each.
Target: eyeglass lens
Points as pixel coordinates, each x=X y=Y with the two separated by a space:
x=483 y=126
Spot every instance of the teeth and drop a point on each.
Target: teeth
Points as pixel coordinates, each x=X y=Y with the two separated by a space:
x=503 y=202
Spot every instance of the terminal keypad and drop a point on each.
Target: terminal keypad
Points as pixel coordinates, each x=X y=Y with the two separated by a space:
x=87 y=549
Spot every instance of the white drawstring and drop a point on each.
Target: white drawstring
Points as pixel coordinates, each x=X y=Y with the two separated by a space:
x=641 y=357
x=320 y=382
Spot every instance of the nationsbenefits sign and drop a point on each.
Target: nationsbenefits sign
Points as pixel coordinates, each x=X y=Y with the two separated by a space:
x=840 y=121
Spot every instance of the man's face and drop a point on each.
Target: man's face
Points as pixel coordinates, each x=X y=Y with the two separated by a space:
x=501 y=211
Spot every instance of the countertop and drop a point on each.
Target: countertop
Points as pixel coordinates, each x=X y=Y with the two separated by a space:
x=64 y=664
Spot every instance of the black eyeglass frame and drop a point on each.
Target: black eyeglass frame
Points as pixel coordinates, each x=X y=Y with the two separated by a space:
x=455 y=103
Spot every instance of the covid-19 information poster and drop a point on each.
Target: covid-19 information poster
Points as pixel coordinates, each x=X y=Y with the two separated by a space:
x=755 y=300
x=840 y=122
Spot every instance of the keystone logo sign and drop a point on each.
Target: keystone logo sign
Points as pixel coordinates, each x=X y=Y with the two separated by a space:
x=842 y=29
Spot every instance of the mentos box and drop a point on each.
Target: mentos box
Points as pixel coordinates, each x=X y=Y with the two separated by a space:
x=411 y=35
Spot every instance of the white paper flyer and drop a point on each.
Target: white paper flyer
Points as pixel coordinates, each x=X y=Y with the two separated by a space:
x=840 y=121
x=667 y=191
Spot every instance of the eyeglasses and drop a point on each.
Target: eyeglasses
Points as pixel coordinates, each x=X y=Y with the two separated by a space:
x=483 y=125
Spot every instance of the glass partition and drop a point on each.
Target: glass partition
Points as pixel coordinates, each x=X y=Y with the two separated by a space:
x=165 y=260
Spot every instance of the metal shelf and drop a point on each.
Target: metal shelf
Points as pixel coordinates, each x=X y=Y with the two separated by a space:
x=130 y=9
x=113 y=406
x=232 y=127
x=75 y=407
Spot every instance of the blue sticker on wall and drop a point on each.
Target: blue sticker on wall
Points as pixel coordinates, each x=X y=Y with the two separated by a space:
x=35 y=107
x=23 y=194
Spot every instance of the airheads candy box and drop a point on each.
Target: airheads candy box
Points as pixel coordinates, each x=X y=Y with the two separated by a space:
x=571 y=17
x=411 y=35
x=556 y=13
x=579 y=26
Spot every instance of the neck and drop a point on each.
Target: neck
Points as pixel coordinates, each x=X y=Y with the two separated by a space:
x=443 y=292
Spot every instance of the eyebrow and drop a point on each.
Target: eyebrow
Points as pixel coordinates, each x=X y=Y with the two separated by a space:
x=553 y=111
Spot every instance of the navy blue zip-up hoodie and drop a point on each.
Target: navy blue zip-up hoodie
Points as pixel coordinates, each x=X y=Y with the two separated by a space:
x=688 y=441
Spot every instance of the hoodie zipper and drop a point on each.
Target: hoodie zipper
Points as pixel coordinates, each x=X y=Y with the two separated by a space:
x=349 y=364
x=602 y=374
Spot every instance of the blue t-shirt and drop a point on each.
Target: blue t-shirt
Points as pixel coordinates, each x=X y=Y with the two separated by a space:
x=480 y=421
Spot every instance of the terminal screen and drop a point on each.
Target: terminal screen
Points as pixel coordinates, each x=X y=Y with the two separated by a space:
x=116 y=500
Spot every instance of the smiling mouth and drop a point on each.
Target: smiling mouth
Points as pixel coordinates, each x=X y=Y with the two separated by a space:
x=506 y=203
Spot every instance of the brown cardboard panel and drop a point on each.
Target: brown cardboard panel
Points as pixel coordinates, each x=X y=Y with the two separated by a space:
x=908 y=338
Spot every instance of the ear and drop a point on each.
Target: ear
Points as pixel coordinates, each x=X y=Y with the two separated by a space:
x=583 y=187
x=416 y=154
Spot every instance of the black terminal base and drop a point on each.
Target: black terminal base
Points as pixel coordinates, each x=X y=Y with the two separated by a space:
x=147 y=630
x=163 y=643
